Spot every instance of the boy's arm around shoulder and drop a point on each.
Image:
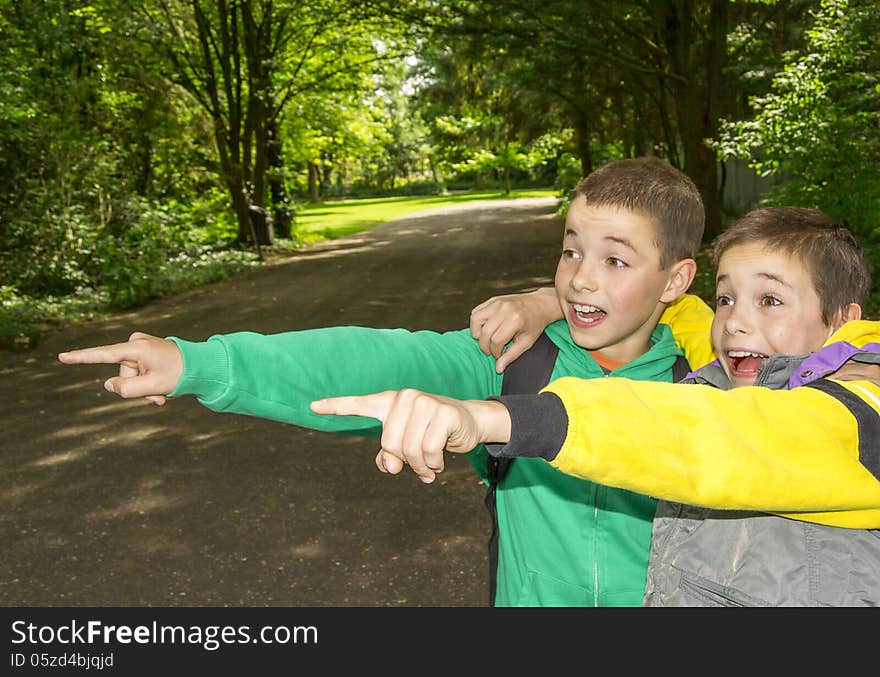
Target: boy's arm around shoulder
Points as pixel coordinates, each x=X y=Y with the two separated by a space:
x=690 y=319
x=792 y=452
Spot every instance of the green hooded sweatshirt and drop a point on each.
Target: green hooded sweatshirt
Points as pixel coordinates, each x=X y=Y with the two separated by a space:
x=563 y=541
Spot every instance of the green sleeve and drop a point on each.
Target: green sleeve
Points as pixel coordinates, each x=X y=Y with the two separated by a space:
x=276 y=376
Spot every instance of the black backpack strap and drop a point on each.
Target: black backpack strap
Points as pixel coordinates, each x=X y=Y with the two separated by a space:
x=866 y=418
x=526 y=374
x=680 y=369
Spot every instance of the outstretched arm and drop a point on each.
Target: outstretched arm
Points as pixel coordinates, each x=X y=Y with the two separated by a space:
x=275 y=376
x=796 y=452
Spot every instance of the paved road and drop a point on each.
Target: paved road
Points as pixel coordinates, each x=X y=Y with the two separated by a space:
x=107 y=502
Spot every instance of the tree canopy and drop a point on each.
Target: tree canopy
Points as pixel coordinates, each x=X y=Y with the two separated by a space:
x=136 y=137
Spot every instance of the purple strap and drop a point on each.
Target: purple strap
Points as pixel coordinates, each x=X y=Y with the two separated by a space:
x=827 y=360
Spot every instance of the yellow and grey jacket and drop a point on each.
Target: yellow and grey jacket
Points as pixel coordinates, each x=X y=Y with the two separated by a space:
x=809 y=453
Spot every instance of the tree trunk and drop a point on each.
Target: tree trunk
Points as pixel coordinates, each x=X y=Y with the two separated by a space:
x=240 y=205
x=717 y=62
x=325 y=177
x=282 y=216
x=313 y=183
x=699 y=110
x=235 y=183
x=582 y=142
x=701 y=164
x=696 y=90
x=256 y=42
x=145 y=163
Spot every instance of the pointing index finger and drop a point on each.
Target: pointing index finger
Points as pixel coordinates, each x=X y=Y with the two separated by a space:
x=375 y=405
x=110 y=354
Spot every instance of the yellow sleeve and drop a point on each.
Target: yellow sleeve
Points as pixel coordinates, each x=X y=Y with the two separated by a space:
x=789 y=452
x=690 y=320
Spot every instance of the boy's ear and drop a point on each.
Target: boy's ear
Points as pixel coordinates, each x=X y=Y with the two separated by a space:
x=852 y=312
x=681 y=274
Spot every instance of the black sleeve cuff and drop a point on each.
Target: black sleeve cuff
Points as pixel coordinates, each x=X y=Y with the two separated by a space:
x=538 y=426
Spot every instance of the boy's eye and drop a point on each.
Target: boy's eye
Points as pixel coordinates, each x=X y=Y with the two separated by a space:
x=769 y=300
x=723 y=300
x=615 y=262
x=571 y=254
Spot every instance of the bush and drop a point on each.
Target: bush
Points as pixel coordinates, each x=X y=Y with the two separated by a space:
x=62 y=267
x=360 y=190
x=24 y=319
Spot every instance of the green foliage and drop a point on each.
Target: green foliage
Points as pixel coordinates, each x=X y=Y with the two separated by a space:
x=161 y=252
x=61 y=267
x=818 y=130
x=24 y=319
x=568 y=174
x=366 y=188
x=471 y=147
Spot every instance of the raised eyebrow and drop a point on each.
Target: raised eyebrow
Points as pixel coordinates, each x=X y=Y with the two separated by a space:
x=766 y=276
x=774 y=278
x=570 y=232
x=623 y=241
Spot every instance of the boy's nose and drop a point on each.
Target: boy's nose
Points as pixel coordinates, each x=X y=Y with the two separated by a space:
x=736 y=322
x=583 y=279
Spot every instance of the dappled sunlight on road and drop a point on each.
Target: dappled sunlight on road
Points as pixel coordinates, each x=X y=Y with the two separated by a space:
x=213 y=437
x=60 y=457
x=77 y=386
x=308 y=550
x=161 y=545
x=131 y=435
x=145 y=500
x=20 y=490
x=113 y=406
x=409 y=231
x=331 y=253
x=74 y=431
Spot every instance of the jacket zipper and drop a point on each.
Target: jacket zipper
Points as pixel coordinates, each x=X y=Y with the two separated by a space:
x=596 y=539
x=595 y=546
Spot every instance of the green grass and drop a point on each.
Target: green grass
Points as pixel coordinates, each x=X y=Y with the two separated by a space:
x=334 y=219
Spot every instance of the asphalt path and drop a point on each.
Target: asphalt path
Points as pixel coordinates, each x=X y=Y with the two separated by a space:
x=109 y=502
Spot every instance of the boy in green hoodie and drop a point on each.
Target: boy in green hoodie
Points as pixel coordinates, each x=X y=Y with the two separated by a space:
x=628 y=249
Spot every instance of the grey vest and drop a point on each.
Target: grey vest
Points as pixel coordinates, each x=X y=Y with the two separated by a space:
x=704 y=557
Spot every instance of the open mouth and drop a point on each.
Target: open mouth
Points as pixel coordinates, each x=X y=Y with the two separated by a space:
x=586 y=314
x=745 y=362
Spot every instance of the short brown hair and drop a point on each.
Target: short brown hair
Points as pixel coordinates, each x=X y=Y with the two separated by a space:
x=658 y=190
x=831 y=253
